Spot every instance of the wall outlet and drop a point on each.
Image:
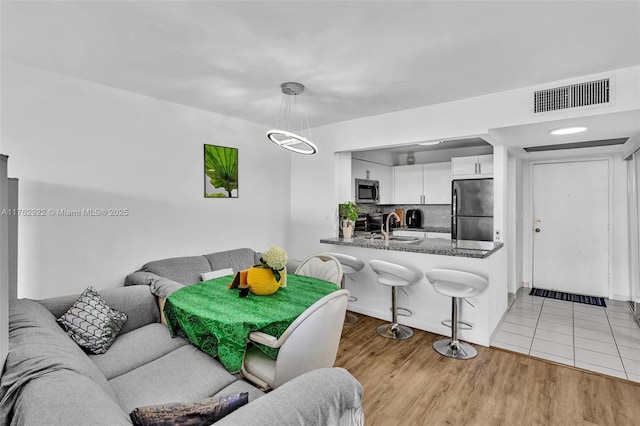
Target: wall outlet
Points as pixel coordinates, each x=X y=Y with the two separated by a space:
x=525 y=284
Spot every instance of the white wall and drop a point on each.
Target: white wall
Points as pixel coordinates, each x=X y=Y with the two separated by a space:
x=459 y=119
x=74 y=144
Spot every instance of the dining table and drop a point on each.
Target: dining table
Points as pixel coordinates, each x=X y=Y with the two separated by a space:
x=214 y=318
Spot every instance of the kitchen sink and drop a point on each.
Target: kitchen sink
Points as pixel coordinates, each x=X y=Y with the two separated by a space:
x=395 y=238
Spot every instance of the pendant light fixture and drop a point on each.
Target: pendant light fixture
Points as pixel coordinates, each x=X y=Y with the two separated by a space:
x=290 y=118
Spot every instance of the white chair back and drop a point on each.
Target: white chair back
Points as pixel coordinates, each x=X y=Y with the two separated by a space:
x=322 y=266
x=312 y=339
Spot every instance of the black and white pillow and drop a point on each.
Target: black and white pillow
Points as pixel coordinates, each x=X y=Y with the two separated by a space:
x=91 y=323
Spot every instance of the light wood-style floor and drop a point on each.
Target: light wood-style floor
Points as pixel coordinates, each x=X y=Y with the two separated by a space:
x=407 y=383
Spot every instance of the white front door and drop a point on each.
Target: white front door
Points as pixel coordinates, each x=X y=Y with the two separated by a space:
x=571 y=227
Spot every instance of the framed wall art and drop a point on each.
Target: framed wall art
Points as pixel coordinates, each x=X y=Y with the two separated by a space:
x=220 y=172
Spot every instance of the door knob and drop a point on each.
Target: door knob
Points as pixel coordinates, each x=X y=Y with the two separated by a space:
x=537 y=229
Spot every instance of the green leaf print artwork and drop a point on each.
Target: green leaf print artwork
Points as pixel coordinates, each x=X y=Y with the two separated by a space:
x=220 y=172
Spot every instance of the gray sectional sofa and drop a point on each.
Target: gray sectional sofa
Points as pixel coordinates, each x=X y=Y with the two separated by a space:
x=49 y=379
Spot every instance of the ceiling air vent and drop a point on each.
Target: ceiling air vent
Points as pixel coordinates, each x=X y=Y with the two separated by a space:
x=572 y=96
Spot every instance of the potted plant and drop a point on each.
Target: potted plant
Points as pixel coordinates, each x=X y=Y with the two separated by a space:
x=348 y=212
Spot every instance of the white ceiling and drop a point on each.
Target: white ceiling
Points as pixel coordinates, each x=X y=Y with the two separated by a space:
x=355 y=58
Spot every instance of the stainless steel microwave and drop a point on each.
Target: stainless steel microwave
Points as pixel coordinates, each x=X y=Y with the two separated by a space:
x=367 y=191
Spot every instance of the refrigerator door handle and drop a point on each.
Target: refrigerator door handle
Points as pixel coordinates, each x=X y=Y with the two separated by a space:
x=454 y=202
x=454 y=216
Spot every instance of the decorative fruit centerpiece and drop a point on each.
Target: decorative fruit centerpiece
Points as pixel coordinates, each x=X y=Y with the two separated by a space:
x=267 y=277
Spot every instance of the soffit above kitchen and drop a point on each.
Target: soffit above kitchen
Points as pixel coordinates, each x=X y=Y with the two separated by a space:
x=357 y=59
x=605 y=133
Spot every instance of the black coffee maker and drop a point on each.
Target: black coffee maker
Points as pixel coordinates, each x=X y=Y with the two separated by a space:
x=414 y=218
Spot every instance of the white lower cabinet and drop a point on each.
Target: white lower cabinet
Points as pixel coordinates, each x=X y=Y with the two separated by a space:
x=422 y=234
x=401 y=233
x=443 y=235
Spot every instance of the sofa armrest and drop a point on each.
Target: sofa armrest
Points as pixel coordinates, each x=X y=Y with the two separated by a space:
x=140 y=278
x=327 y=396
x=159 y=286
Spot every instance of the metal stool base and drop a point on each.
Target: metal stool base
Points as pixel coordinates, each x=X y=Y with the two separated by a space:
x=394 y=331
x=458 y=350
x=350 y=319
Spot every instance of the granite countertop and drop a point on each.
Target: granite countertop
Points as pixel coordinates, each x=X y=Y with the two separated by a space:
x=438 y=246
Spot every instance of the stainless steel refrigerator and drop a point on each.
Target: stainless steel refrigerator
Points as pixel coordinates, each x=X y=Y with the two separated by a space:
x=472 y=213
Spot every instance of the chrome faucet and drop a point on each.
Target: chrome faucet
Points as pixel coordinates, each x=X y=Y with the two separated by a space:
x=385 y=232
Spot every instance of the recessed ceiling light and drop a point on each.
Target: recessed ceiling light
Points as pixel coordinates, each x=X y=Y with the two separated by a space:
x=431 y=143
x=568 y=130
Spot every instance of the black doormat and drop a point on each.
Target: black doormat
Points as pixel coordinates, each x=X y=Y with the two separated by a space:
x=569 y=297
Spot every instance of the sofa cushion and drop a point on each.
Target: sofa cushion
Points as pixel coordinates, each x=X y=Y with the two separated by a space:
x=237 y=259
x=135 y=301
x=185 y=270
x=241 y=386
x=204 y=412
x=39 y=346
x=184 y=375
x=91 y=323
x=64 y=397
x=136 y=348
x=326 y=396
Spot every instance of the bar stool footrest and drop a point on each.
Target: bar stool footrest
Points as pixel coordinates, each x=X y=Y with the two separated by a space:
x=407 y=312
x=465 y=325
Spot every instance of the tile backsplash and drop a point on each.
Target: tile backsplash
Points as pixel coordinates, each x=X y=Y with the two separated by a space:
x=437 y=215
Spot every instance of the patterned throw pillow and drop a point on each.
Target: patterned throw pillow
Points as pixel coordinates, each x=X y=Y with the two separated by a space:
x=91 y=323
x=204 y=412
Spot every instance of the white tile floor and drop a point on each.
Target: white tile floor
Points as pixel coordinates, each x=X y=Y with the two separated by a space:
x=605 y=340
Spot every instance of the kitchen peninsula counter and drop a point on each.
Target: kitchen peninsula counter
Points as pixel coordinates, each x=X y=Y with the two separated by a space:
x=428 y=307
x=438 y=246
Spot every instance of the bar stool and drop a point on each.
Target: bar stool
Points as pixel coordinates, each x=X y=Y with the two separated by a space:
x=394 y=275
x=350 y=265
x=457 y=285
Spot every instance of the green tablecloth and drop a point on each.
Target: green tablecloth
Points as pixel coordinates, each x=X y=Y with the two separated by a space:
x=217 y=321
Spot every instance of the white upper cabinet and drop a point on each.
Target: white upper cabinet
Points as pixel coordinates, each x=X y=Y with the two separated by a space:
x=379 y=172
x=437 y=183
x=422 y=184
x=476 y=166
x=407 y=184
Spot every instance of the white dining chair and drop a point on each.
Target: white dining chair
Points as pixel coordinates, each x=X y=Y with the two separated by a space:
x=322 y=266
x=310 y=342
